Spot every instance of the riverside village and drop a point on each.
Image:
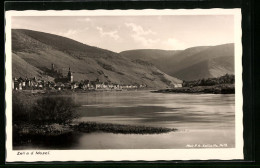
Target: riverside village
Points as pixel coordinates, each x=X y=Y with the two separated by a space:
x=62 y=82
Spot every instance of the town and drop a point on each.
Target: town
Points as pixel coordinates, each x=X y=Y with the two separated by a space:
x=67 y=83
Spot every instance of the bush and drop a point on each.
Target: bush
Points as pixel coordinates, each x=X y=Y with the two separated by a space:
x=50 y=110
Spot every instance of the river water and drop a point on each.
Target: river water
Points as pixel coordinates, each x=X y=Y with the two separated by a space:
x=201 y=119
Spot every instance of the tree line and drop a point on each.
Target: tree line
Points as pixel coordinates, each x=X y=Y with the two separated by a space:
x=226 y=79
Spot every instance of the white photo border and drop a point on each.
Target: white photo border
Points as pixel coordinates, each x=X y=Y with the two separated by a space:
x=129 y=154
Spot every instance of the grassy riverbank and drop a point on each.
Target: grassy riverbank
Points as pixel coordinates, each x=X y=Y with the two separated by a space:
x=215 y=89
x=87 y=127
x=26 y=133
x=120 y=129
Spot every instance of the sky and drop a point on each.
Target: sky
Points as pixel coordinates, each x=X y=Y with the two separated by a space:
x=120 y=33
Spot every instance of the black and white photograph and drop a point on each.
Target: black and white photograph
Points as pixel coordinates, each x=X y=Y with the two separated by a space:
x=118 y=83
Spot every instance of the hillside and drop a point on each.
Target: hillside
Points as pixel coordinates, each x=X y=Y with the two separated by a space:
x=33 y=53
x=192 y=63
x=154 y=56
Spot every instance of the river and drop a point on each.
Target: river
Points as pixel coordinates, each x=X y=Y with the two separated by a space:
x=201 y=119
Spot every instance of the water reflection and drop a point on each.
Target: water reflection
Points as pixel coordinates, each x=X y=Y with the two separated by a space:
x=186 y=111
x=66 y=141
x=200 y=118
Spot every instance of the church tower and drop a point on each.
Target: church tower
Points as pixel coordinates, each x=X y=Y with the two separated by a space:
x=52 y=67
x=70 y=76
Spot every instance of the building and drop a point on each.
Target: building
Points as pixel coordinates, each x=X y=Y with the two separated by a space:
x=70 y=76
x=178 y=85
x=65 y=79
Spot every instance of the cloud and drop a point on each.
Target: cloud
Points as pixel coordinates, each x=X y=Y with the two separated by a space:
x=140 y=34
x=144 y=41
x=174 y=43
x=139 y=30
x=112 y=34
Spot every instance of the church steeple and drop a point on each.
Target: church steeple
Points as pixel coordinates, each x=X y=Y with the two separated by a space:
x=70 y=76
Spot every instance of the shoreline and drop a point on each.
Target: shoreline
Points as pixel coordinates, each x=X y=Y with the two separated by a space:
x=87 y=127
x=24 y=133
x=66 y=92
x=215 y=89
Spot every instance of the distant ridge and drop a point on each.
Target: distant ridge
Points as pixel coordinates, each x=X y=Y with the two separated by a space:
x=192 y=63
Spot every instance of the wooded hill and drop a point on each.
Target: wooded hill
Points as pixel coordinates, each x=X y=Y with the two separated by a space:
x=192 y=63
